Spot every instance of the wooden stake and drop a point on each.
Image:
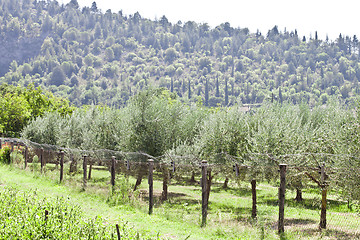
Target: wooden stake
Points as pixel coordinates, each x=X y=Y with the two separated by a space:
x=282 y=197
x=165 y=172
x=61 y=165
x=84 y=171
x=204 y=202
x=112 y=171
x=322 y=224
x=46 y=215
x=90 y=169
x=118 y=232
x=151 y=189
x=253 y=190
x=42 y=159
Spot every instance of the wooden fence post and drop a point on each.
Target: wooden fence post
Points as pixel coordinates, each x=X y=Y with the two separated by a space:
x=282 y=197
x=42 y=159
x=165 y=172
x=84 y=172
x=204 y=202
x=151 y=187
x=323 y=198
x=253 y=190
x=112 y=171
x=90 y=168
x=61 y=165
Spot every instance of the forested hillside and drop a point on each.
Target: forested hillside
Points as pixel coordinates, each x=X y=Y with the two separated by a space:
x=93 y=57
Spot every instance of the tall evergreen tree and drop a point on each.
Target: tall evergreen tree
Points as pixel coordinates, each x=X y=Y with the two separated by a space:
x=226 y=92
x=94 y=8
x=172 y=85
x=74 y=4
x=206 y=92
x=217 y=93
x=189 y=89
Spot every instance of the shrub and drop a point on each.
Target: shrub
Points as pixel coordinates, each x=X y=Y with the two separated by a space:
x=122 y=193
x=23 y=217
x=5 y=155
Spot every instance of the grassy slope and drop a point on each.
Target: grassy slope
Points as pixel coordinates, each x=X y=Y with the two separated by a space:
x=179 y=217
x=94 y=205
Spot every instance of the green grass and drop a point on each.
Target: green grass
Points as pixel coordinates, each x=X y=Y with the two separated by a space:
x=180 y=216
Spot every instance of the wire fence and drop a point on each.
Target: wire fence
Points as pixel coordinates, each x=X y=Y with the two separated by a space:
x=322 y=189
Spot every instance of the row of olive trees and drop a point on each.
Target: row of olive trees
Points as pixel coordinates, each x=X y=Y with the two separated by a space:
x=156 y=123
x=292 y=134
x=153 y=122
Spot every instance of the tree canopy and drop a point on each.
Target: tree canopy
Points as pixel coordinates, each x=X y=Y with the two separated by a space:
x=20 y=105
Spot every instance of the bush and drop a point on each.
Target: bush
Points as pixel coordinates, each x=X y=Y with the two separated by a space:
x=122 y=193
x=5 y=155
x=23 y=217
x=17 y=158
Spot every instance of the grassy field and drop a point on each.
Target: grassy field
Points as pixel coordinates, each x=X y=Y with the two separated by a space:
x=180 y=216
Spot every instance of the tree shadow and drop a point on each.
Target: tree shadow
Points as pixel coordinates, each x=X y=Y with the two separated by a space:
x=298 y=221
x=270 y=202
x=175 y=199
x=176 y=195
x=337 y=234
x=310 y=203
x=241 y=192
x=229 y=208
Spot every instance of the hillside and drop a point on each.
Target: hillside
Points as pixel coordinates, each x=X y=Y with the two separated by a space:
x=92 y=57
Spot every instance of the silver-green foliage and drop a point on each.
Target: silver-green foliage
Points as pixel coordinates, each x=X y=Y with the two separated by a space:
x=157 y=123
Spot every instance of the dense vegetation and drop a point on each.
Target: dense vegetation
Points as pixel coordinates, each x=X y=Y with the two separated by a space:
x=93 y=57
x=19 y=105
x=23 y=217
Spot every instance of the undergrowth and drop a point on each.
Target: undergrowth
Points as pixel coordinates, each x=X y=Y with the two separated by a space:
x=26 y=216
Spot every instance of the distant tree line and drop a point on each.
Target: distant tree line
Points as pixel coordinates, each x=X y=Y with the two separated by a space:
x=90 y=56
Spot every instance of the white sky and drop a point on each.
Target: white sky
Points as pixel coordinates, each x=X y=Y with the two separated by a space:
x=328 y=17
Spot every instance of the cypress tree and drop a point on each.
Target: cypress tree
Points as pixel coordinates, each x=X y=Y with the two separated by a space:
x=189 y=89
x=206 y=92
x=183 y=85
x=217 y=93
x=172 y=85
x=226 y=92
